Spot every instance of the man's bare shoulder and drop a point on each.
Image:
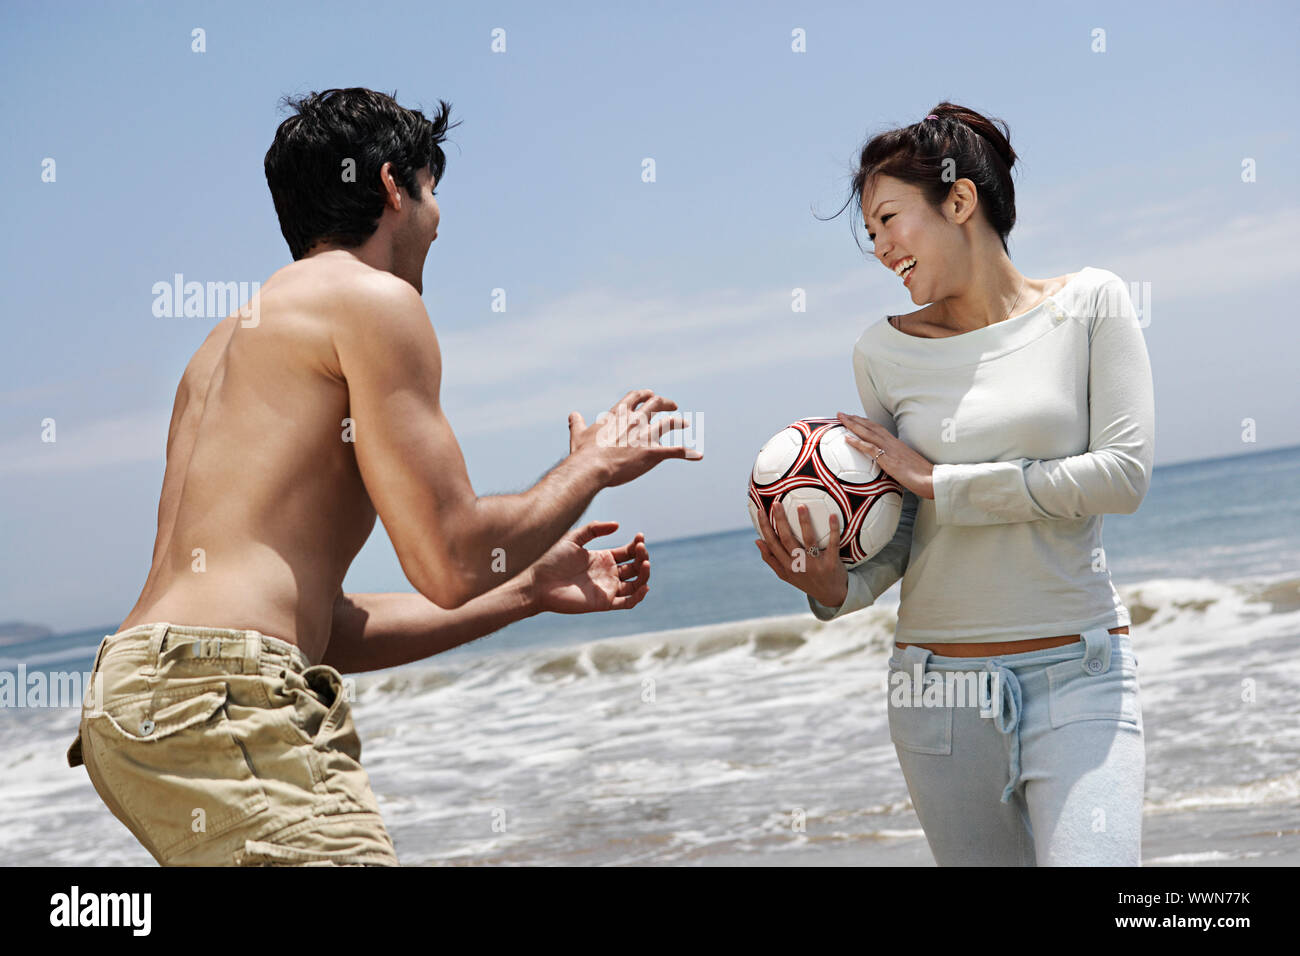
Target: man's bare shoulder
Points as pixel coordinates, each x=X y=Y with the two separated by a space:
x=351 y=287
x=198 y=373
x=349 y=304
x=361 y=307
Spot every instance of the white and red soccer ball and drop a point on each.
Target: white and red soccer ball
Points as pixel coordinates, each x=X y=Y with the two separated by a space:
x=810 y=463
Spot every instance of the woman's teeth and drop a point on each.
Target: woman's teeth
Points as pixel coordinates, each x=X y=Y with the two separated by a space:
x=905 y=267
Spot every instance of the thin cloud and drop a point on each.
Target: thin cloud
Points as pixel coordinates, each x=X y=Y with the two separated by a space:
x=125 y=439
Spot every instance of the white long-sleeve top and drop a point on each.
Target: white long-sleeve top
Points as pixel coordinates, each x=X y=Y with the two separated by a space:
x=1037 y=426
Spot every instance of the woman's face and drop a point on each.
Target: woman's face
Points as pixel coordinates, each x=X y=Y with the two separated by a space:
x=902 y=225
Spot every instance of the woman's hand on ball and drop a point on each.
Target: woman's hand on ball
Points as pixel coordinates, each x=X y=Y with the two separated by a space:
x=822 y=576
x=909 y=468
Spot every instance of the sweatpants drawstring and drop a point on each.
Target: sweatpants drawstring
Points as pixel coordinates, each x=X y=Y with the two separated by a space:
x=1006 y=718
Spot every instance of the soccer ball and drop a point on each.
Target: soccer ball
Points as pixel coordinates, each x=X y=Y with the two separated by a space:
x=811 y=463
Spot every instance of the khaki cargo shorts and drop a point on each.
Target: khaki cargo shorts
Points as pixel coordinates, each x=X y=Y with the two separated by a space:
x=221 y=747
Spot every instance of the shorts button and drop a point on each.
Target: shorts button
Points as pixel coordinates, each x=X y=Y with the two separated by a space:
x=146 y=727
x=1094 y=665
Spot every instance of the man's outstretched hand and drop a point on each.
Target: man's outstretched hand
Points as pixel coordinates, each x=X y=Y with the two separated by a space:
x=624 y=440
x=569 y=579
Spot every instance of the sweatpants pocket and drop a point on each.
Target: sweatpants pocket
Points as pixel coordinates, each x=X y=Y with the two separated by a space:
x=922 y=730
x=1076 y=694
x=913 y=725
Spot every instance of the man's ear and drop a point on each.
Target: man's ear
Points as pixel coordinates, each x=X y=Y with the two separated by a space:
x=394 y=191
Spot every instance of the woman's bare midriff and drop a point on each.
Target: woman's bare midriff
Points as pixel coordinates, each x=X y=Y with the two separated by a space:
x=987 y=649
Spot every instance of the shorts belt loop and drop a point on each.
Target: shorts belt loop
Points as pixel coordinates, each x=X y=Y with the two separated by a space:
x=252 y=652
x=92 y=698
x=1096 y=659
x=99 y=654
x=157 y=635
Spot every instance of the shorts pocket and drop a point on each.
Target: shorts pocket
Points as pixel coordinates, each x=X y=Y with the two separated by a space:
x=321 y=713
x=355 y=838
x=174 y=766
x=1075 y=694
x=257 y=853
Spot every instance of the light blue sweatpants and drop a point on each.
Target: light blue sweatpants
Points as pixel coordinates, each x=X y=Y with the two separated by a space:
x=1045 y=766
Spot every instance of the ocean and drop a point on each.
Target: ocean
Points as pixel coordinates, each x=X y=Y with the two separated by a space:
x=719 y=722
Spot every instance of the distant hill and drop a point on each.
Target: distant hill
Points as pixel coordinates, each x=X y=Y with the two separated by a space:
x=17 y=632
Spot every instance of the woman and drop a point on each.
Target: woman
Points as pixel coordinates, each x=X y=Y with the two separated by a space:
x=1016 y=412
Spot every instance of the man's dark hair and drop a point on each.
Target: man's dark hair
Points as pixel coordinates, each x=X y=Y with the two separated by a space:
x=307 y=162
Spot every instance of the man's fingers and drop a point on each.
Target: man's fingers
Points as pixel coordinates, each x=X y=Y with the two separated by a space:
x=665 y=424
x=658 y=403
x=634 y=570
x=632 y=549
x=593 y=529
x=630 y=568
x=669 y=423
x=643 y=565
x=636 y=430
x=678 y=451
x=630 y=600
x=662 y=425
x=630 y=580
x=632 y=399
x=634 y=584
x=653 y=403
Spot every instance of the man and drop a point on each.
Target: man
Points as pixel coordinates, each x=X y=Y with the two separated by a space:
x=223 y=735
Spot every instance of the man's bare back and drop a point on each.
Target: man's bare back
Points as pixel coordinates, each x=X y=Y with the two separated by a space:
x=263 y=507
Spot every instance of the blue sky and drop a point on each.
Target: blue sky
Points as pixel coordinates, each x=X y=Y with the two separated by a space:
x=1131 y=159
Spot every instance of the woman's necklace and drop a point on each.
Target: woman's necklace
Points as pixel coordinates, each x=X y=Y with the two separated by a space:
x=1023 y=279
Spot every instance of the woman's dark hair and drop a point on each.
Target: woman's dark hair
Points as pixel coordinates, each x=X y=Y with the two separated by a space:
x=916 y=154
x=318 y=194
